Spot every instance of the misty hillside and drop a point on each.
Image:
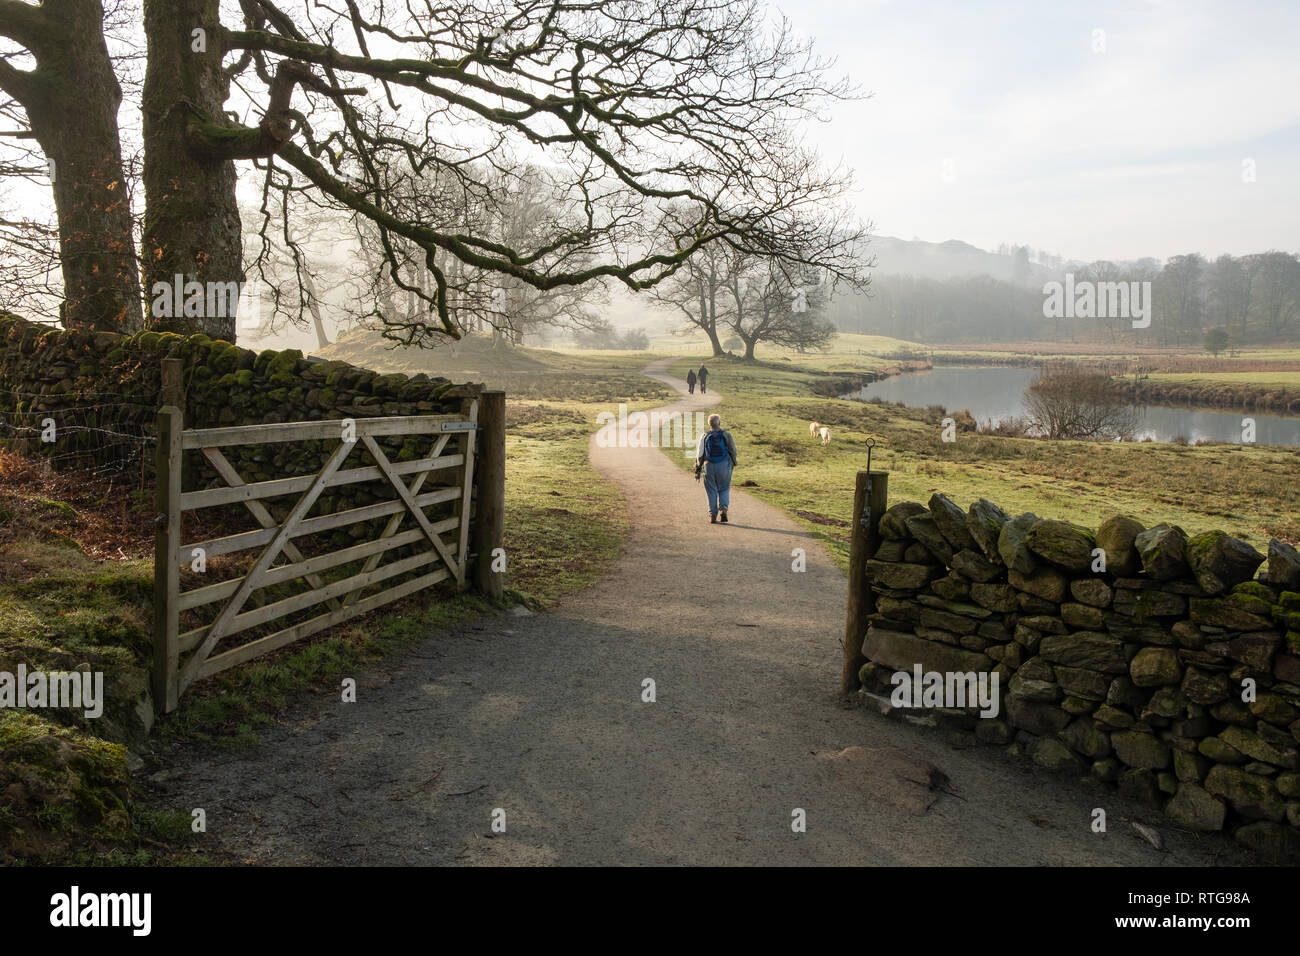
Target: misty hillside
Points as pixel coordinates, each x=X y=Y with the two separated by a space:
x=950 y=259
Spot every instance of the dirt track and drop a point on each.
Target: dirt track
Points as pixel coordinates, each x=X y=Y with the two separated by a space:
x=542 y=717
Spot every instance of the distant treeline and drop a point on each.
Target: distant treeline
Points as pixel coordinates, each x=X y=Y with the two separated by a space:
x=1255 y=299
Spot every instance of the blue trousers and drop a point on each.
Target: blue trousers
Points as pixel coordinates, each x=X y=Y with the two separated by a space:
x=717 y=484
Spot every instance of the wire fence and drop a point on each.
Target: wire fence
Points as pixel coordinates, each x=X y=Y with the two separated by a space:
x=86 y=431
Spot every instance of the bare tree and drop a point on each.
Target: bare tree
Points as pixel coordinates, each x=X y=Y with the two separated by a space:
x=527 y=201
x=776 y=306
x=640 y=105
x=1277 y=293
x=1069 y=402
x=298 y=260
x=697 y=290
x=1179 y=299
x=29 y=267
x=764 y=297
x=1226 y=292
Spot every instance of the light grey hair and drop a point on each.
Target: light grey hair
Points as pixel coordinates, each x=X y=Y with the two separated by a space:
x=715 y=421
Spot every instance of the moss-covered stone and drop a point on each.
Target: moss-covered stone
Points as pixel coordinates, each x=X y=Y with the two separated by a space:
x=1012 y=549
x=984 y=521
x=1163 y=550
x=1139 y=750
x=1061 y=543
x=1251 y=795
x=61 y=790
x=1283 y=565
x=1221 y=561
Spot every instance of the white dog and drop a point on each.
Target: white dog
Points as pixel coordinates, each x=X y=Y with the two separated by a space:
x=813 y=428
x=825 y=434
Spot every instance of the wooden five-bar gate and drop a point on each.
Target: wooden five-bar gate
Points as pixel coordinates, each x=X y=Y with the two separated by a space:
x=438 y=548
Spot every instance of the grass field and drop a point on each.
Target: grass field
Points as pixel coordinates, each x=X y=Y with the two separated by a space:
x=847 y=353
x=1248 y=491
x=564 y=524
x=1283 y=379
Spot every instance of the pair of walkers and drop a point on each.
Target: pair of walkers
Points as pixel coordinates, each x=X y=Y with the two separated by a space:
x=715 y=457
x=702 y=377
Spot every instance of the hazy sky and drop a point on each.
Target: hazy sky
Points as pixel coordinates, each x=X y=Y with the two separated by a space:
x=995 y=122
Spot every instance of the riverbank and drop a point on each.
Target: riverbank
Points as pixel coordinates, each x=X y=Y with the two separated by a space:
x=1233 y=391
x=1259 y=380
x=1248 y=491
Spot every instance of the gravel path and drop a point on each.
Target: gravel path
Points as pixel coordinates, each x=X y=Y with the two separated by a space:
x=541 y=716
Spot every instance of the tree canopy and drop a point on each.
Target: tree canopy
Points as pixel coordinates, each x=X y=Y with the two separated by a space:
x=424 y=123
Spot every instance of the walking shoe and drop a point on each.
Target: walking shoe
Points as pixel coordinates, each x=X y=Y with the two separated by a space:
x=713 y=519
x=722 y=515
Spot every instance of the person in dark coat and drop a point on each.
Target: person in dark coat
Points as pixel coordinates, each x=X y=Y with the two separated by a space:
x=690 y=381
x=703 y=377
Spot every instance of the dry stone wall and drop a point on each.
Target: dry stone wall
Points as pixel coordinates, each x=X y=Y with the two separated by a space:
x=101 y=384
x=1163 y=663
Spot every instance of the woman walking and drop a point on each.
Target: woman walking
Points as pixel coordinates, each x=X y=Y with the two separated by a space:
x=717 y=451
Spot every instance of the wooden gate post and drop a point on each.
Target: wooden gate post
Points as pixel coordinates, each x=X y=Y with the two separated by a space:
x=490 y=477
x=469 y=408
x=870 y=496
x=166 y=569
x=172 y=393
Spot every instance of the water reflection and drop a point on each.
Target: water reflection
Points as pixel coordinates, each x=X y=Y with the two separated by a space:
x=991 y=393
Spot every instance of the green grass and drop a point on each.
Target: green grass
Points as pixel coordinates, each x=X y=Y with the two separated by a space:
x=564 y=523
x=848 y=352
x=230 y=709
x=1263 y=379
x=1248 y=491
x=565 y=527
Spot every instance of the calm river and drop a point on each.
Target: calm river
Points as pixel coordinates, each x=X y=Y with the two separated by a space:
x=992 y=393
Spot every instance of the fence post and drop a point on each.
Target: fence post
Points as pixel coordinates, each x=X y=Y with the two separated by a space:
x=490 y=477
x=172 y=377
x=166 y=569
x=469 y=407
x=870 y=495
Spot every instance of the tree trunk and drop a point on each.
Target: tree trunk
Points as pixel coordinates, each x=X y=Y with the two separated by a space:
x=713 y=340
x=192 y=226
x=71 y=99
x=313 y=304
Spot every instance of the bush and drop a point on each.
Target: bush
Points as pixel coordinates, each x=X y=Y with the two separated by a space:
x=1012 y=427
x=1073 y=403
x=635 y=340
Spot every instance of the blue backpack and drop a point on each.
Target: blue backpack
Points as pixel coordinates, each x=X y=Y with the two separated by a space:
x=715 y=446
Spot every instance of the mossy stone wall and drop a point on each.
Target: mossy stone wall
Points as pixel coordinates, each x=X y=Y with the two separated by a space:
x=90 y=379
x=1165 y=664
